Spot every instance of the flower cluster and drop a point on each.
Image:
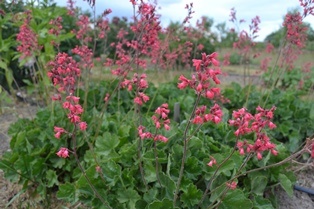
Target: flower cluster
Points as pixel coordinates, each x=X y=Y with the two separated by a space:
x=27 y=39
x=226 y=60
x=84 y=27
x=75 y=110
x=296 y=31
x=254 y=26
x=200 y=81
x=58 y=131
x=189 y=7
x=244 y=43
x=265 y=63
x=86 y=55
x=232 y=185
x=103 y=26
x=308 y=7
x=63 y=152
x=269 y=48
x=160 y=119
x=215 y=115
x=57 y=26
x=141 y=84
x=146 y=43
x=64 y=74
x=247 y=123
x=70 y=8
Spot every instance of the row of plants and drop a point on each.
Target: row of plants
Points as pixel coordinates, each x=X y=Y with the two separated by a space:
x=112 y=144
x=33 y=163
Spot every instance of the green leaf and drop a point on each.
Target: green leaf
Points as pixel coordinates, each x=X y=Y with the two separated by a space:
x=9 y=171
x=262 y=203
x=237 y=200
x=294 y=141
x=52 y=178
x=151 y=195
x=83 y=185
x=286 y=184
x=124 y=130
x=127 y=153
x=106 y=144
x=168 y=184
x=111 y=171
x=193 y=168
x=57 y=162
x=150 y=172
x=312 y=112
x=165 y=203
x=129 y=196
x=67 y=192
x=3 y=65
x=38 y=167
x=17 y=144
x=259 y=184
x=191 y=196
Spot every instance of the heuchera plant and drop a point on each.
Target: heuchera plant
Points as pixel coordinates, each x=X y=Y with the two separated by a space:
x=98 y=146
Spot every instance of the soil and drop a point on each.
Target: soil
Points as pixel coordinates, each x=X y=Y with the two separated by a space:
x=8 y=191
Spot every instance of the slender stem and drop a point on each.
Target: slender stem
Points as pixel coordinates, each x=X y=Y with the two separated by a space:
x=272 y=165
x=273 y=70
x=185 y=150
x=216 y=172
x=194 y=132
x=84 y=173
x=232 y=179
x=139 y=155
x=223 y=194
x=157 y=163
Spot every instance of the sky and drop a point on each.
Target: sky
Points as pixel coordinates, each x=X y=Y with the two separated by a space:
x=271 y=12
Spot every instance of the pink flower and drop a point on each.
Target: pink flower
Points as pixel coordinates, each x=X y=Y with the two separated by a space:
x=144 y=97
x=161 y=138
x=143 y=135
x=198 y=120
x=106 y=99
x=133 y=2
x=98 y=169
x=212 y=162
x=137 y=100
x=63 y=152
x=197 y=64
x=232 y=185
x=58 y=131
x=184 y=82
x=83 y=126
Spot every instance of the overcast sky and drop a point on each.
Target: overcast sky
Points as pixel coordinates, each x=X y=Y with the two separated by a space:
x=271 y=12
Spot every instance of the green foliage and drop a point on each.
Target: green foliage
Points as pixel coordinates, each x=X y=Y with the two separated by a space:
x=290 y=79
x=235 y=59
x=15 y=72
x=275 y=38
x=227 y=37
x=33 y=160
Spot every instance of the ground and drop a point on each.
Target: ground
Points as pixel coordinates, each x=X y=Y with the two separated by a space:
x=299 y=200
